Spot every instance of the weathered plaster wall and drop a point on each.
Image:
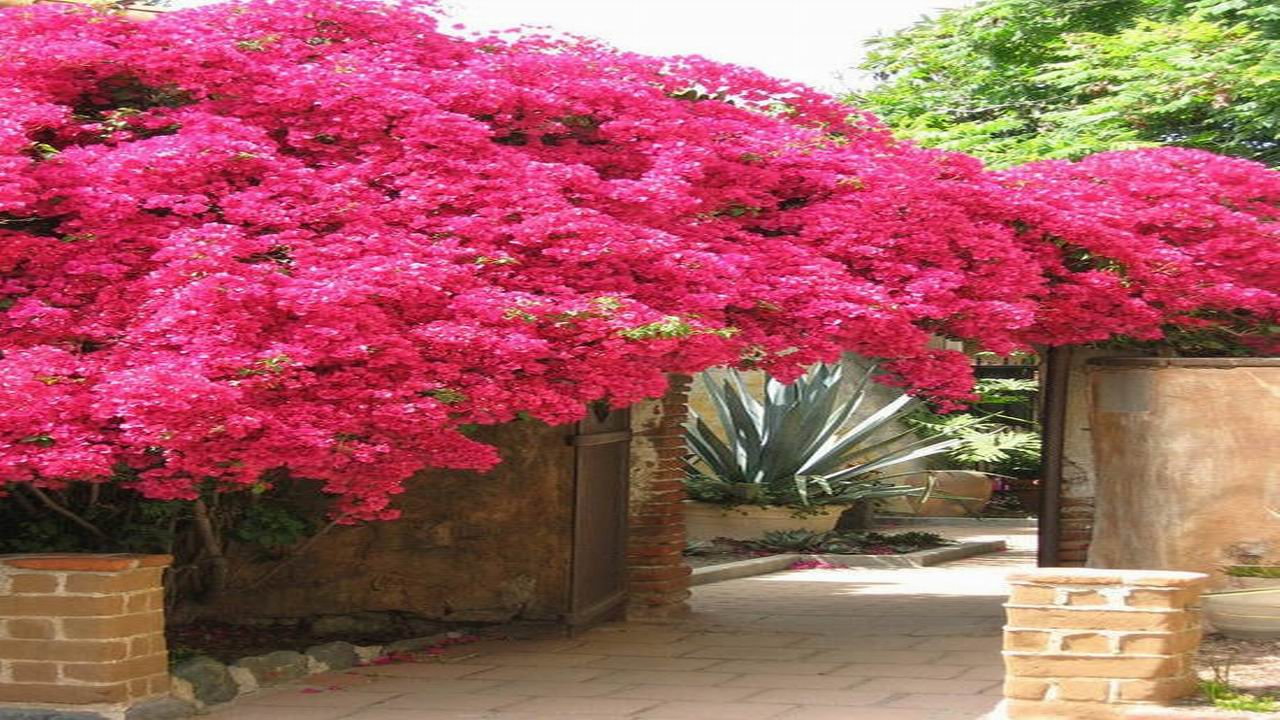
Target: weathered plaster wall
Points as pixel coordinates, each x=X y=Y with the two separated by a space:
x=469 y=547
x=1079 y=475
x=1188 y=463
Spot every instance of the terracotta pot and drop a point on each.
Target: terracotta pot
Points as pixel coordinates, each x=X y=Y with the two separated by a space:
x=704 y=521
x=974 y=486
x=1252 y=614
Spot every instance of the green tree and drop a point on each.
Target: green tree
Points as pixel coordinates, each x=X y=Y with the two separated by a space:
x=1018 y=80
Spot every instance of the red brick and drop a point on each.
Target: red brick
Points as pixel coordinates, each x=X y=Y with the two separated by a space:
x=61 y=605
x=1058 y=666
x=1025 y=688
x=1061 y=710
x=121 y=671
x=1026 y=640
x=118 y=626
x=31 y=629
x=650 y=574
x=1088 y=689
x=34 y=672
x=1162 y=690
x=79 y=650
x=144 y=601
x=81 y=563
x=33 y=583
x=1089 y=619
x=63 y=694
x=140 y=579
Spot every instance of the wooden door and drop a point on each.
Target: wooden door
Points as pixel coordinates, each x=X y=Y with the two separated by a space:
x=598 y=578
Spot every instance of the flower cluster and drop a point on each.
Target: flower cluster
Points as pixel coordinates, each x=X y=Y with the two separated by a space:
x=324 y=235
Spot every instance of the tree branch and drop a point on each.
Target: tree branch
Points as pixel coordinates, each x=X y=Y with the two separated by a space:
x=64 y=512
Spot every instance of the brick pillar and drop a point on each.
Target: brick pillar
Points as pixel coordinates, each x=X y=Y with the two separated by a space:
x=1075 y=523
x=659 y=577
x=1083 y=643
x=82 y=631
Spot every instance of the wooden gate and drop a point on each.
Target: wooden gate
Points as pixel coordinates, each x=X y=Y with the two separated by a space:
x=598 y=581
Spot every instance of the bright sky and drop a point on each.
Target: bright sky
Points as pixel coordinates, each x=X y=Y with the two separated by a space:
x=814 y=41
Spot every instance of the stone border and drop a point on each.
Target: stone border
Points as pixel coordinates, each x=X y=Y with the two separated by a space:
x=743 y=568
x=1191 y=362
x=917 y=559
x=203 y=683
x=888 y=523
x=775 y=563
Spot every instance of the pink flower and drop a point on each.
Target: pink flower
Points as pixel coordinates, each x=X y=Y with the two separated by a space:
x=324 y=236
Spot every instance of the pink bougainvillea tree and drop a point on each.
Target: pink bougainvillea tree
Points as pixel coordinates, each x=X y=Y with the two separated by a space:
x=324 y=235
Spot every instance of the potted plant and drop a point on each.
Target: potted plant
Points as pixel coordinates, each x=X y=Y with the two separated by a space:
x=800 y=454
x=1252 y=609
x=1253 y=576
x=996 y=442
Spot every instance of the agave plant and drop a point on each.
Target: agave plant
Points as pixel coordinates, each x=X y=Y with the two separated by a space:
x=814 y=441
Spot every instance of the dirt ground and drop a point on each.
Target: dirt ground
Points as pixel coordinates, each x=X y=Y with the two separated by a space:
x=1251 y=666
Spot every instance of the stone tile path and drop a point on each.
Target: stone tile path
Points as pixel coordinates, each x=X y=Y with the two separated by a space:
x=850 y=644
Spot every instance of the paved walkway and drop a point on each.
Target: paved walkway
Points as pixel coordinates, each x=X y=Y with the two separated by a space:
x=855 y=644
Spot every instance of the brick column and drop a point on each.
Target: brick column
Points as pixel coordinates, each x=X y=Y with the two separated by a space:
x=1075 y=523
x=659 y=577
x=1084 y=643
x=82 y=631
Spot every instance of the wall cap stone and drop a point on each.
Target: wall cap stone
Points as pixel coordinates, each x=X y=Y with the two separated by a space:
x=1157 y=362
x=1098 y=576
x=84 y=562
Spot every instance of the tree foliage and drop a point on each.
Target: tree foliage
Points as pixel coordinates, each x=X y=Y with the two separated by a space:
x=324 y=237
x=1019 y=80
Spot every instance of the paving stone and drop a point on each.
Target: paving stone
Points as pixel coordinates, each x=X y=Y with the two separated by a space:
x=552 y=706
x=624 y=662
x=864 y=644
x=775 y=667
x=665 y=677
x=749 y=652
x=164 y=708
x=686 y=692
x=35 y=714
x=811 y=682
x=872 y=670
x=797 y=696
x=691 y=710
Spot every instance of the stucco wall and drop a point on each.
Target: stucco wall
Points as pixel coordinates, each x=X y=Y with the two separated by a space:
x=1079 y=475
x=1187 y=457
x=470 y=546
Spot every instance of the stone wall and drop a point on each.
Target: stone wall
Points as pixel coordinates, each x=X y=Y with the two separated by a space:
x=1188 y=463
x=469 y=547
x=82 y=631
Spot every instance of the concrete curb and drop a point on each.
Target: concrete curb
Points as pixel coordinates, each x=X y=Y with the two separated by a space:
x=919 y=558
x=887 y=523
x=775 y=563
x=743 y=568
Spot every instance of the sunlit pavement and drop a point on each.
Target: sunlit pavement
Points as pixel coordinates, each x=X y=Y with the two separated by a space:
x=853 y=644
